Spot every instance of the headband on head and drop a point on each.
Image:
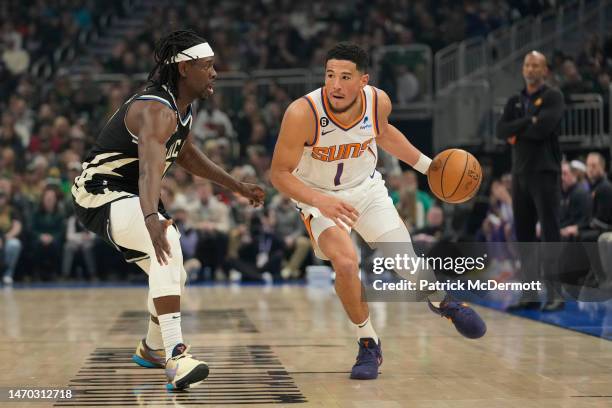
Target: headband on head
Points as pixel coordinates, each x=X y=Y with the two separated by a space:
x=201 y=50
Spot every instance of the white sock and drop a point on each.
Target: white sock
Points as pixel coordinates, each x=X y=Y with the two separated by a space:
x=170 y=325
x=365 y=330
x=154 y=338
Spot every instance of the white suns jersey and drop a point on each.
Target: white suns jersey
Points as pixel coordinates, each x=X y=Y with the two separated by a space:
x=342 y=155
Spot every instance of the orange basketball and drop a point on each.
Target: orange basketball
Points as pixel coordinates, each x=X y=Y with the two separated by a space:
x=454 y=176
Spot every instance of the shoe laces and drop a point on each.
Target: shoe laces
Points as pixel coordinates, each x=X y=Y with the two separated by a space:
x=366 y=355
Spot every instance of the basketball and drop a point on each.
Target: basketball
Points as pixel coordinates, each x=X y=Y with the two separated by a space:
x=454 y=176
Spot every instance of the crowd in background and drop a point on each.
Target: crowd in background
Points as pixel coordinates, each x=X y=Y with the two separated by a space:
x=46 y=130
x=285 y=34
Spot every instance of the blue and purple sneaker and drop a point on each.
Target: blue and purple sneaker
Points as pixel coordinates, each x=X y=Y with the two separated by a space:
x=466 y=320
x=369 y=359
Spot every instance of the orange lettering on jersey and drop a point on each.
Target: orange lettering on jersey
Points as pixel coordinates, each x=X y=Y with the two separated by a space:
x=340 y=152
x=364 y=146
x=352 y=150
x=320 y=153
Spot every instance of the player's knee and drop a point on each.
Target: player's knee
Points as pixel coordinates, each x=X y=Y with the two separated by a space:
x=345 y=267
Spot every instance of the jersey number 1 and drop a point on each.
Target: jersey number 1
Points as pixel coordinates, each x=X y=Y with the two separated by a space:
x=338 y=174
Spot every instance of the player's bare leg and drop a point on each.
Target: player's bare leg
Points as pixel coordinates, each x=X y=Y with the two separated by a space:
x=336 y=244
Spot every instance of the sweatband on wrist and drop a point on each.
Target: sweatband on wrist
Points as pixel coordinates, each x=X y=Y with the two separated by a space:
x=422 y=165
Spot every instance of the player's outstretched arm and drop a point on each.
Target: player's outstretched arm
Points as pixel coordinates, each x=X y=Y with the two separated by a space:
x=297 y=129
x=154 y=123
x=195 y=162
x=394 y=142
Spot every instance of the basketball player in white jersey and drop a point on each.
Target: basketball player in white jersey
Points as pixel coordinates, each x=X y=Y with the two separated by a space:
x=117 y=195
x=325 y=159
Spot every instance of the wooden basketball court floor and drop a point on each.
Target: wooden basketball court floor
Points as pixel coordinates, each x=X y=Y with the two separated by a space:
x=291 y=346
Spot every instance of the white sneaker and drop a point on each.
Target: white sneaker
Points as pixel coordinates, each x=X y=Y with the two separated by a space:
x=7 y=280
x=182 y=369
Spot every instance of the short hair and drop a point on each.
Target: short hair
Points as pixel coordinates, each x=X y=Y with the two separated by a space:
x=350 y=52
x=602 y=160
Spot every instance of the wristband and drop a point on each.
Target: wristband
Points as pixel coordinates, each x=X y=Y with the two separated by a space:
x=147 y=216
x=422 y=165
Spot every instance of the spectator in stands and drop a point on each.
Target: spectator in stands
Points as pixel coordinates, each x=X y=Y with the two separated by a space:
x=10 y=230
x=407 y=85
x=189 y=242
x=24 y=120
x=498 y=225
x=9 y=137
x=35 y=179
x=47 y=231
x=579 y=170
x=572 y=81
x=575 y=204
x=260 y=254
x=601 y=190
x=210 y=217
x=287 y=225
x=394 y=185
x=78 y=241
x=212 y=123
x=15 y=58
x=259 y=159
x=411 y=182
x=434 y=230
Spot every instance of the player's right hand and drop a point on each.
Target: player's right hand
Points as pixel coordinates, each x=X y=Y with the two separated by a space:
x=157 y=231
x=338 y=211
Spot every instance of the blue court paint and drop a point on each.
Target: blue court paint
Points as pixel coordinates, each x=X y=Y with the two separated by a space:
x=593 y=318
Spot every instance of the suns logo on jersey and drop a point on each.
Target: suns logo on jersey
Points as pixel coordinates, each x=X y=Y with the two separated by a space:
x=340 y=152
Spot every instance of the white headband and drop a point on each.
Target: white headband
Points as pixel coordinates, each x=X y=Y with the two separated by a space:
x=201 y=50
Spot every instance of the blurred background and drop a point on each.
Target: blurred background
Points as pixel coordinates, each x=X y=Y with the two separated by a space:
x=67 y=65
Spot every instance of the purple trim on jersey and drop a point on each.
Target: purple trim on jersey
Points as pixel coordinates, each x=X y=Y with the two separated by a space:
x=314 y=112
x=375 y=109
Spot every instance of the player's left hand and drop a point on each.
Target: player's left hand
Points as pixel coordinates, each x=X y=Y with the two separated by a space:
x=253 y=193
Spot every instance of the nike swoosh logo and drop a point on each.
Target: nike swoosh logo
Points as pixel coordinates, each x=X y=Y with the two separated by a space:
x=175 y=317
x=323 y=133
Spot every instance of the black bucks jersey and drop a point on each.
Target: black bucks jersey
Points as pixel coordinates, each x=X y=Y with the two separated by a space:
x=110 y=170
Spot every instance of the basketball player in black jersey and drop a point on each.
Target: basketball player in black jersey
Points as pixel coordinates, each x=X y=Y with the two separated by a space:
x=117 y=195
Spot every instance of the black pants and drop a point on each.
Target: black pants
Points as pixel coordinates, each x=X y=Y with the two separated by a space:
x=537 y=196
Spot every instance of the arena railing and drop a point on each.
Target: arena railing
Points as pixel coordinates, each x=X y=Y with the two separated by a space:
x=391 y=62
x=478 y=57
x=462 y=114
x=582 y=124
